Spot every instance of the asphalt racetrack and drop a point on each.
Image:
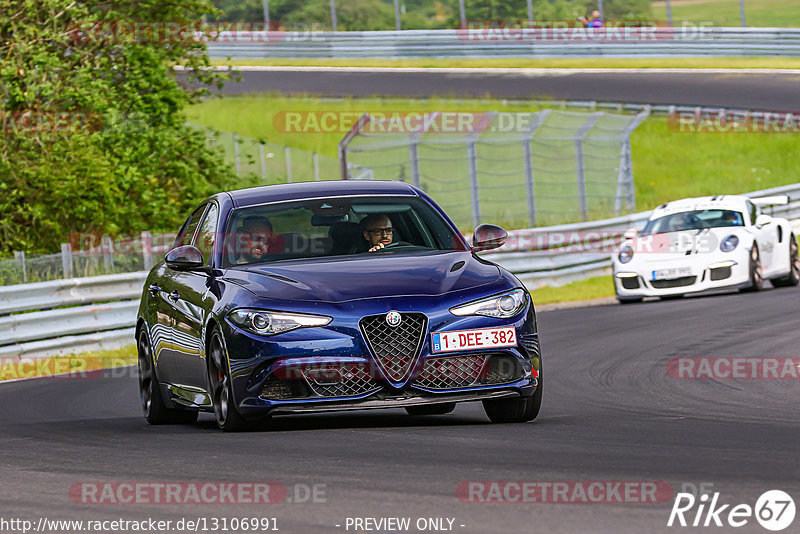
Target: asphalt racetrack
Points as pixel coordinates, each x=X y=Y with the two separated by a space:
x=758 y=90
x=610 y=413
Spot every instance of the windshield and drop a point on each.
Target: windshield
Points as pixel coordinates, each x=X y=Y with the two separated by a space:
x=335 y=227
x=693 y=220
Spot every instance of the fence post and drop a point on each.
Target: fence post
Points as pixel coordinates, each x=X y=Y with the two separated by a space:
x=472 y=159
x=288 y=153
x=413 y=159
x=108 y=258
x=236 y=154
x=20 y=257
x=541 y=116
x=147 y=250
x=66 y=259
x=579 y=137
x=333 y=15
x=263 y=161
x=625 y=174
x=315 y=157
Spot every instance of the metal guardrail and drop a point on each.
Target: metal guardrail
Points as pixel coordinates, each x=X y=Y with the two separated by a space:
x=485 y=43
x=99 y=313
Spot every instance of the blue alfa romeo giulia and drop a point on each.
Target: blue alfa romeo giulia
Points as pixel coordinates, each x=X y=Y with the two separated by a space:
x=326 y=296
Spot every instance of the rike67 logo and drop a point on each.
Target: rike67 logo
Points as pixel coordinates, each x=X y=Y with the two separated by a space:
x=774 y=510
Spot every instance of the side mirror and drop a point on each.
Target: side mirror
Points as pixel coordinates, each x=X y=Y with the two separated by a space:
x=185 y=258
x=763 y=220
x=488 y=237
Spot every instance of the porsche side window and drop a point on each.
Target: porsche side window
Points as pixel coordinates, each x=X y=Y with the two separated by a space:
x=189 y=227
x=753 y=209
x=208 y=231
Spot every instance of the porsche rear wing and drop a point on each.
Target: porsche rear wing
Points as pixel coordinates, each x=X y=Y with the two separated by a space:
x=771 y=201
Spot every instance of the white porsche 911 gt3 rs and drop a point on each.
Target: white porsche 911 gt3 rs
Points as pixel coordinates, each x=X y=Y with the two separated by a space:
x=707 y=243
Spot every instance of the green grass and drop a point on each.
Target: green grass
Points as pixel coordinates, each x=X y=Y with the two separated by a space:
x=74 y=363
x=514 y=63
x=765 y=13
x=591 y=288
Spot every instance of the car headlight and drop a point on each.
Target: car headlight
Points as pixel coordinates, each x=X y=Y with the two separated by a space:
x=268 y=323
x=729 y=243
x=503 y=306
x=625 y=254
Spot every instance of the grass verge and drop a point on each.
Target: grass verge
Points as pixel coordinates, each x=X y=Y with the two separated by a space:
x=79 y=365
x=591 y=288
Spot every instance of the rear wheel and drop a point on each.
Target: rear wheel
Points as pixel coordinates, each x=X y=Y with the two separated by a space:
x=225 y=412
x=431 y=409
x=756 y=278
x=515 y=410
x=153 y=406
x=793 y=278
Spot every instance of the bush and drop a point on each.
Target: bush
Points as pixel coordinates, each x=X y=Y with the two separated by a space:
x=135 y=165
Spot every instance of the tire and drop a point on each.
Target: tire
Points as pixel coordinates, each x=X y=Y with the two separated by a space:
x=630 y=300
x=515 y=410
x=153 y=405
x=431 y=409
x=756 y=278
x=793 y=278
x=219 y=379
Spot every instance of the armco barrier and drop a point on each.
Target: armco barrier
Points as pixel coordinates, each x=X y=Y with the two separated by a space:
x=664 y=42
x=100 y=312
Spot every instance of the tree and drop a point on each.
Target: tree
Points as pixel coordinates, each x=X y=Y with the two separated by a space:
x=105 y=147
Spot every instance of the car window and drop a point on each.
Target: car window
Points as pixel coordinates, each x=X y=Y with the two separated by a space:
x=335 y=227
x=753 y=209
x=188 y=229
x=208 y=231
x=694 y=220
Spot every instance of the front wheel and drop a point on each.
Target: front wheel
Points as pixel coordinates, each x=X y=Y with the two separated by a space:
x=228 y=417
x=153 y=405
x=793 y=278
x=756 y=278
x=515 y=410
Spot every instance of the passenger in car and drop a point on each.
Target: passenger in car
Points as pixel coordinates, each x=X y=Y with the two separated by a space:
x=378 y=231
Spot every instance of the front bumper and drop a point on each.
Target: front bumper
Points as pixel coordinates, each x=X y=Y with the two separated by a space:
x=332 y=368
x=694 y=274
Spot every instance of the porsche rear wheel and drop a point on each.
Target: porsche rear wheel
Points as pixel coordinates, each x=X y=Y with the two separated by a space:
x=793 y=278
x=219 y=379
x=153 y=406
x=431 y=409
x=515 y=410
x=756 y=277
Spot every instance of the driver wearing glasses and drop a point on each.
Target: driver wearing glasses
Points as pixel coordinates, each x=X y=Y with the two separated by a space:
x=377 y=231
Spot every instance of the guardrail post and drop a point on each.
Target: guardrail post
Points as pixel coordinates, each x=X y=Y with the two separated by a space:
x=147 y=250
x=263 y=160
x=315 y=157
x=288 y=153
x=20 y=257
x=108 y=258
x=472 y=159
x=236 y=154
x=66 y=259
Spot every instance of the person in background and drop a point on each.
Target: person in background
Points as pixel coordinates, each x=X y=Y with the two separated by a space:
x=595 y=22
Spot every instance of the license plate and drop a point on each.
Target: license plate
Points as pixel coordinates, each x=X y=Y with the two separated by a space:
x=666 y=274
x=473 y=339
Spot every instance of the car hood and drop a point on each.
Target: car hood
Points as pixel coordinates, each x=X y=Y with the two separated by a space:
x=344 y=278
